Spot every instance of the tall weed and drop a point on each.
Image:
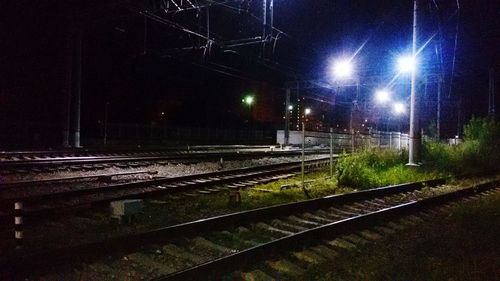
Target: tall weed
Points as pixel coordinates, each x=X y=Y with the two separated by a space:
x=371 y=168
x=480 y=150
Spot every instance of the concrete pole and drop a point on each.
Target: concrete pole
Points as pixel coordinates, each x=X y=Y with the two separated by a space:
x=77 y=88
x=264 y=18
x=399 y=140
x=414 y=139
x=303 y=154
x=66 y=87
x=459 y=115
x=491 y=93
x=438 y=117
x=286 y=132
x=351 y=129
x=390 y=140
x=105 y=138
x=331 y=152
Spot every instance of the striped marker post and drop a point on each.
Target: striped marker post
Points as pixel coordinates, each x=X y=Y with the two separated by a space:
x=221 y=164
x=18 y=221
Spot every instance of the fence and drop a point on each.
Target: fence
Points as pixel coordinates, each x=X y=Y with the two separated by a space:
x=341 y=141
x=158 y=134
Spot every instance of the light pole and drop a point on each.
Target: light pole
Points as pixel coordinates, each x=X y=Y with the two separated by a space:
x=331 y=152
x=288 y=108
x=307 y=111
x=408 y=64
x=398 y=108
x=342 y=70
x=249 y=100
x=105 y=137
x=382 y=97
x=414 y=141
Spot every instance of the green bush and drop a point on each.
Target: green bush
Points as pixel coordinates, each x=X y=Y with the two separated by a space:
x=372 y=168
x=480 y=150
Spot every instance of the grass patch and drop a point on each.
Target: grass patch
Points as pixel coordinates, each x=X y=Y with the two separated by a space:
x=202 y=206
x=372 y=168
x=322 y=185
x=480 y=152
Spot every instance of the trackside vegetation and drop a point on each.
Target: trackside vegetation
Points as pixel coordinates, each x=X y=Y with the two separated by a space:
x=479 y=152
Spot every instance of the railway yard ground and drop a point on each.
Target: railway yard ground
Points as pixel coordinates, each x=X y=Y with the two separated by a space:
x=198 y=220
x=458 y=244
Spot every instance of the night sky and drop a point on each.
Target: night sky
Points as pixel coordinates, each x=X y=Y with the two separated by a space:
x=152 y=73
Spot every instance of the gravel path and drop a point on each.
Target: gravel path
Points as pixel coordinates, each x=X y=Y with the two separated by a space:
x=168 y=170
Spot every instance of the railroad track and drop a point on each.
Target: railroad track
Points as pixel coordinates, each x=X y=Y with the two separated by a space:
x=35 y=154
x=40 y=202
x=49 y=162
x=40 y=154
x=210 y=248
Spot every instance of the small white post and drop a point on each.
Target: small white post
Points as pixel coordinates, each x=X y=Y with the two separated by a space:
x=18 y=224
x=390 y=140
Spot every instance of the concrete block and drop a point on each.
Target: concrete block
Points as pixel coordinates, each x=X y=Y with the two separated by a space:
x=127 y=208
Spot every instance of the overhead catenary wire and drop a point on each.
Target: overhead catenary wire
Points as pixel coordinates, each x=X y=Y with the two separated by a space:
x=454 y=48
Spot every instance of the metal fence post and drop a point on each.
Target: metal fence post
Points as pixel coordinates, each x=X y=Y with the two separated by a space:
x=390 y=140
x=303 y=153
x=331 y=152
x=399 y=141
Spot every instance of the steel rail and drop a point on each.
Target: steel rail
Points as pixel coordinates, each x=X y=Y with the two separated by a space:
x=132 y=150
x=129 y=243
x=216 y=178
x=247 y=257
x=16 y=184
x=83 y=160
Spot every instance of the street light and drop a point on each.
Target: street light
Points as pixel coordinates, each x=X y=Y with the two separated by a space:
x=249 y=100
x=290 y=107
x=382 y=96
x=342 y=69
x=307 y=111
x=398 y=108
x=407 y=64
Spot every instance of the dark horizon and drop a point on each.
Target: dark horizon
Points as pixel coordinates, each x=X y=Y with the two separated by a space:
x=138 y=66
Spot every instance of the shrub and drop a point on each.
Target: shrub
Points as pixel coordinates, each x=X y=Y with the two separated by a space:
x=478 y=152
x=372 y=168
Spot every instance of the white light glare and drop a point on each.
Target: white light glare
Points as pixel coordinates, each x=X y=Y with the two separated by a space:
x=399 y=108
x=290 y=107
x=307 y=111
x=382 y=96
x=407 y=64
x=342 y=69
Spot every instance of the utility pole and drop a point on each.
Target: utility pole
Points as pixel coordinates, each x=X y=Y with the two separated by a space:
x=438 y=117
x=491 y=94
x=302 y=166
x=77 y=90
x=67 y=87
x=267 y=24
x=331 y=152
x=459 y=115
x=105 y=138
x=414 y=139
x=351 y=129
x=286 y=132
